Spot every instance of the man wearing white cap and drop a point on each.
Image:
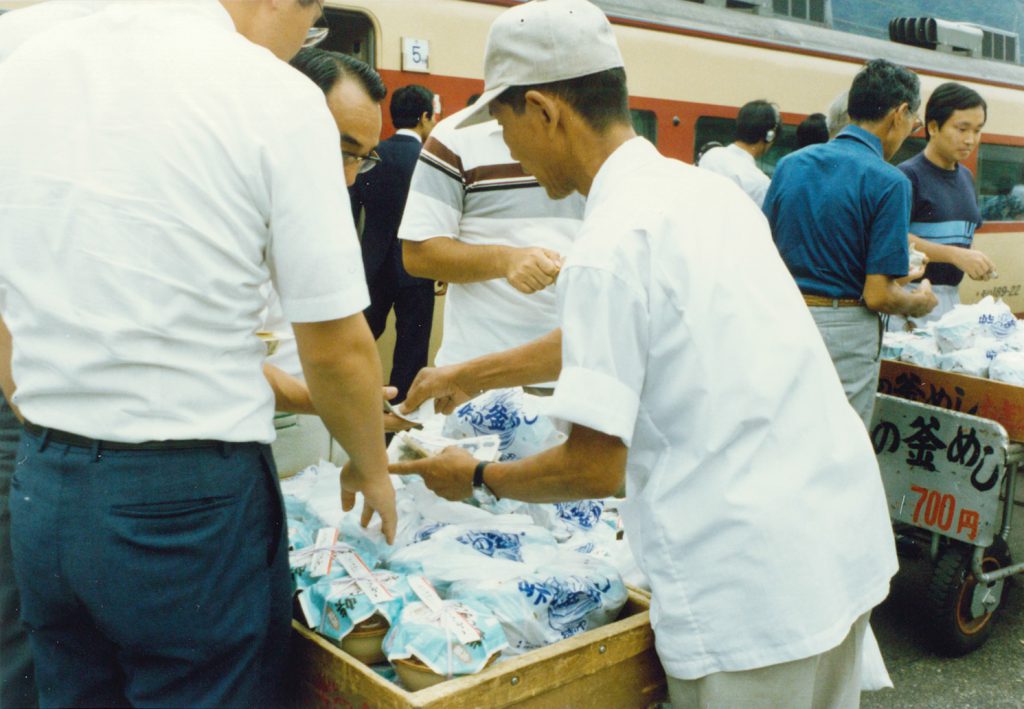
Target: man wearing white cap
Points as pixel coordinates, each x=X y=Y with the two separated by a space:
x=688 y=365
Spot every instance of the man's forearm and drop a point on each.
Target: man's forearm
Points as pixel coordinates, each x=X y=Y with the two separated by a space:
x=452 y=261
x=290 y=393
x=535 y=362
x=936 y=253
x=589 y=465
x=6 y=378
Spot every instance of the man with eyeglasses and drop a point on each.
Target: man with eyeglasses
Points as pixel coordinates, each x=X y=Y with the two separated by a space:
x=381 y=195
x=146 y=519
x=840 y=215
x=354 y=92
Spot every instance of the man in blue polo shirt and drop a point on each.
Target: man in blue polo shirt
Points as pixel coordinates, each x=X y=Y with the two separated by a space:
x=840 y=216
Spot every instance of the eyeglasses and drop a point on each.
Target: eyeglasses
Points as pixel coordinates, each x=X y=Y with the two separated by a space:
x=316 y=35
x=365 y=162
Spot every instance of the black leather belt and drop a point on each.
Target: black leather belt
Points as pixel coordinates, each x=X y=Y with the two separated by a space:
x=53 y=435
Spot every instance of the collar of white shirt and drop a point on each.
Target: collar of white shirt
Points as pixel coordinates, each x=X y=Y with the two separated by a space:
x=409 y=132
x=628 y=156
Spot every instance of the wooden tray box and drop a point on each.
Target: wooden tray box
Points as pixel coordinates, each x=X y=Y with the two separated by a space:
x=614 y=666
x=990 y=399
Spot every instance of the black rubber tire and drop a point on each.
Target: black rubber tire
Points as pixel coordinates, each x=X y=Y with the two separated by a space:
x=954 y=631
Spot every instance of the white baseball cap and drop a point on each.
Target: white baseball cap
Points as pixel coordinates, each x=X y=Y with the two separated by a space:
x=542 y=41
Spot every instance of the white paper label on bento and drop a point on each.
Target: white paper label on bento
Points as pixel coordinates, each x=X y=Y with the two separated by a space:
x=376 y=591
x=320 y=564
x=306 y=610
x=455 y=616
x=425 y=590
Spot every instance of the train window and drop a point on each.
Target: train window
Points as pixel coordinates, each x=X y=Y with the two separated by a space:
x=910 y=148
x=645 y=123
x=808 y=10
x=350 y=33
x=1000 y=182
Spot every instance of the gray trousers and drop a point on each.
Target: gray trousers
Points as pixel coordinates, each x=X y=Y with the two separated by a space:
x=17 y=683
x=853 y=336
x=830 y=680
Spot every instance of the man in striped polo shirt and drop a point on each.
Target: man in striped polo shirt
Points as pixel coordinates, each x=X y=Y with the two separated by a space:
x=476 y=220
x=945 y=211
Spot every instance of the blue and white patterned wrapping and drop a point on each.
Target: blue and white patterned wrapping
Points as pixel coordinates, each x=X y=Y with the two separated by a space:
x=496 y=548
x=301 y=534
x=420 y=632
x=558 y=601
x=334 y=607
x=511 y=414
x=569 y=520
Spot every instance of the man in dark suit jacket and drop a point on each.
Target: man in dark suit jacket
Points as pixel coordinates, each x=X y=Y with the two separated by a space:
x=381 y=195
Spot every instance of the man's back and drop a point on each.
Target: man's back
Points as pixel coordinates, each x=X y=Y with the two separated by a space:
x=832 y=208
x=743 y=440
x=150 y=180
x=383 y=193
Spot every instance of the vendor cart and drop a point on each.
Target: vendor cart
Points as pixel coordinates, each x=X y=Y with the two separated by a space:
x=949 y=450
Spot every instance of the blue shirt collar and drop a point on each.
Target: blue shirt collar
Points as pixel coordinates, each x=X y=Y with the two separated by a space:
x=862 y=136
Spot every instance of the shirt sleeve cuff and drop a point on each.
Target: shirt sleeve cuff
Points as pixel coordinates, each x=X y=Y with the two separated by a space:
x=331 y=306
x=595 y=400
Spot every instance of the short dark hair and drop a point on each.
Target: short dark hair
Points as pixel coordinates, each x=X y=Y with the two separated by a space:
x=601 y=99
x=950 y=97
x=880 y=87
x=326 y=69
x=811 y=130
x=754 y=121
x=410 y=102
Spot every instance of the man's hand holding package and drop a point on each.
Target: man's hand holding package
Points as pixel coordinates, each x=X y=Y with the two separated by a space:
x=449 y=474
x=440 y=384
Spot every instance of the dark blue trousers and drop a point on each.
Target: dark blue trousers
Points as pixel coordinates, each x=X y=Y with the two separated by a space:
x=152 y=578
x=17 y=688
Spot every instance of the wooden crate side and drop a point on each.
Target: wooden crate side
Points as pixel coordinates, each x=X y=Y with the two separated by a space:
x=330 y=677
x=990 y=399
x=614 y=666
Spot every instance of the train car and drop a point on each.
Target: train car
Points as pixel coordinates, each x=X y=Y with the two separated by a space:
x=691 y=66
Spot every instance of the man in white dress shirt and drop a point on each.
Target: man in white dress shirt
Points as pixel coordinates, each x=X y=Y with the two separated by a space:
x=689 y=366
x=757 y=126
x=157 y=165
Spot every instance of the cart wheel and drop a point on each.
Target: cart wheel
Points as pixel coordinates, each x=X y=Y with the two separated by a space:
x=961 y=608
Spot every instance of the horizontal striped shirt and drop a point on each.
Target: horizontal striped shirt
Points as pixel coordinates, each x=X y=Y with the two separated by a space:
x=467 y=187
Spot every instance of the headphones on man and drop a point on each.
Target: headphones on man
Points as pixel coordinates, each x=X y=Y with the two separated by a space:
x=770 y=134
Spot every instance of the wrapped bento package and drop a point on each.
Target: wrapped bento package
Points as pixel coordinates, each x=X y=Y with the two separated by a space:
x=421 y=513
x=575 y=594
x=514 y=416
x=331 y=556
x=357 y=609
x=1008 y=367
x=573 y=520
x=921 y=351
x=501 y=547
x=434 y=641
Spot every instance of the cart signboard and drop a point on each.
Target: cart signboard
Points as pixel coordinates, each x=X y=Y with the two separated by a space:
x=942 y=470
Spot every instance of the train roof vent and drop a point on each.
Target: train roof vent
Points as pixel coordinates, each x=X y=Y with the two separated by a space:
x=1000 y=45
x=757 y=7
x=942 y=35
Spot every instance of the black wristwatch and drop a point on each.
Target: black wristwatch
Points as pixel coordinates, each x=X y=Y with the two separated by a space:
x=478 y=478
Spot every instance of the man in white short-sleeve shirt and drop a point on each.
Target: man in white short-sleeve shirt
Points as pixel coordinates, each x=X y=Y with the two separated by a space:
x=477 y=221
x=687 y=364
x=757 y=127
x=157 y=165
